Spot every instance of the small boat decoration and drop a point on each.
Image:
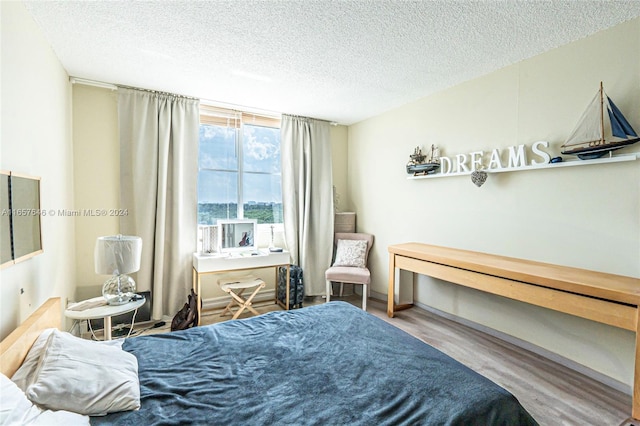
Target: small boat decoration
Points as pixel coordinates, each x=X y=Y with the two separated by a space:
x=597 y=133
x=420 y=164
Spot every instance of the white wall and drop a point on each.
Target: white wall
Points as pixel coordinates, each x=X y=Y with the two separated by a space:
x=36 y=140
x=587 y=217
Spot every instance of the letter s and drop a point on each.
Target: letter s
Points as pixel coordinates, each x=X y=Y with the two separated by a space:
x=546 y=157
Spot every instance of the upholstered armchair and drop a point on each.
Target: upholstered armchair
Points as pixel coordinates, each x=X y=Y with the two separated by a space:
x=350 y=263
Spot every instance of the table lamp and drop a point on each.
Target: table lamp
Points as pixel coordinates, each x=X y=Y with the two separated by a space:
x=118 y=255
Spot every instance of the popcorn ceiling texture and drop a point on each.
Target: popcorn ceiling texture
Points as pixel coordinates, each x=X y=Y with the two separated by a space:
x=341 y=61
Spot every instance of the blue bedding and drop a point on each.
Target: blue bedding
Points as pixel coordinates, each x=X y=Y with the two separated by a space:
x=330 y=364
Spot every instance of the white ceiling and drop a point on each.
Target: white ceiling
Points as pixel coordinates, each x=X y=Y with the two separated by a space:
x=342 y=61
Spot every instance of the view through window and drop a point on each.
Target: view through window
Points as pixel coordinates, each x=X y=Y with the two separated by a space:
x=239 y=169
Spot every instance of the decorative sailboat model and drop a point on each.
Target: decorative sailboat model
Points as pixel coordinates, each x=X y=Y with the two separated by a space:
x=597 y=133
x=420 y=164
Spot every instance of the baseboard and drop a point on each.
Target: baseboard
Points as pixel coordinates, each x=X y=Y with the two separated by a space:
x=559 y=359
x=552 y=356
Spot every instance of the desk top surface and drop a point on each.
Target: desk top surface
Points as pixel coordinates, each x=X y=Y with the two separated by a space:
x=581 y=281
x=263 y=258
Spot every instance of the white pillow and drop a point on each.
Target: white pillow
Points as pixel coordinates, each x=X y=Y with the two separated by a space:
x=25 y=375
x=351 y=253
x=16 y=409
x=79 y=375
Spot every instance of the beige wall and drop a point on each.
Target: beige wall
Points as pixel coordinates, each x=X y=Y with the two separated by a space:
x=36 y=140
x=339 y=160
x=96 y=156
x=587 y=217
x=97 y=183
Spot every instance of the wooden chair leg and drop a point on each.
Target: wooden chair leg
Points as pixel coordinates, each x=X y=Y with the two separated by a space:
x=246 y=303
x=329 y=284
x=364 y=297
x=242 y=303
x=232 y=302
x=238 y=301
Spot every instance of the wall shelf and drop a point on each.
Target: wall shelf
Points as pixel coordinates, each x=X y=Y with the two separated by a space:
x=570 y=163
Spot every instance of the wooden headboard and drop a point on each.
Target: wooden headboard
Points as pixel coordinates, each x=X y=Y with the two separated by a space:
x=14 y=348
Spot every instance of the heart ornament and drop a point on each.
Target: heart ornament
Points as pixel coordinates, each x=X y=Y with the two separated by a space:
x=478 y=177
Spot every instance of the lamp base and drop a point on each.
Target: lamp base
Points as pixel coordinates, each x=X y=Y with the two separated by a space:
x=119 y=289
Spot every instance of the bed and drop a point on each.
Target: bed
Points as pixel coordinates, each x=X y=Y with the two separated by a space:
x=324 y=364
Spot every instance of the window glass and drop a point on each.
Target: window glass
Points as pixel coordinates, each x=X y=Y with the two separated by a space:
x=218 y=148
x=263 y=197
x=261 y=149
x=217 y=196
x=239 y=172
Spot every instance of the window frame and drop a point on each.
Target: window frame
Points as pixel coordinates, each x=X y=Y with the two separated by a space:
x=237 y=119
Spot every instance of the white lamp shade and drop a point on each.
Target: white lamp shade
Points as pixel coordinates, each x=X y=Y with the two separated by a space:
x=118 y=254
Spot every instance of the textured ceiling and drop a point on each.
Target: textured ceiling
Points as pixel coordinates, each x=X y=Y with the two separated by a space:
x=342 y=61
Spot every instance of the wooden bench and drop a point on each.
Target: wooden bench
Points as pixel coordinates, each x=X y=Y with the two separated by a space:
x=605 y=298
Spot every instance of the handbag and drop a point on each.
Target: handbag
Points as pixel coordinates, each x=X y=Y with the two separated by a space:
x=187 y=316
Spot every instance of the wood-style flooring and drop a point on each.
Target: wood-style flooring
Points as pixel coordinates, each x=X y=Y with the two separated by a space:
x=553 y=394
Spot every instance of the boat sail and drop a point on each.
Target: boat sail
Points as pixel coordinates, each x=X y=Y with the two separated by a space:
x=596 y=134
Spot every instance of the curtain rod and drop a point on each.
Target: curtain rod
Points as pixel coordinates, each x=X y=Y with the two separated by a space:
x=241 y=108
x=84 y=81
x=333 y=123
x=110 y=86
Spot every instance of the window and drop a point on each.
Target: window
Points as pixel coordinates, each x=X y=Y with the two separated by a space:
x=239 y=167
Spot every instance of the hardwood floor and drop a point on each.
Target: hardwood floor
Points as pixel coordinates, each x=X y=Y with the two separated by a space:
x=552 y=393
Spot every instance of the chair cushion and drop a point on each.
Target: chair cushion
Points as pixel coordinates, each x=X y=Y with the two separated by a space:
x=347 y=274
x=351 y=253
x=249 y=281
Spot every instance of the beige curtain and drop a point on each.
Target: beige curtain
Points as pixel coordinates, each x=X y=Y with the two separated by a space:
x=307 y=197
x=158 y=180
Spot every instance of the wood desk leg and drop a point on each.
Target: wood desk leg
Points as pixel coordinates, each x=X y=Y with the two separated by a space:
x=392 y=285
x=635 y=409
x=193 y=279
x=287 y=287
x=276 y=285
x=196 y=289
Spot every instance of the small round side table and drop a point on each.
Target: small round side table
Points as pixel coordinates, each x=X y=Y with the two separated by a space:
x=94 y=308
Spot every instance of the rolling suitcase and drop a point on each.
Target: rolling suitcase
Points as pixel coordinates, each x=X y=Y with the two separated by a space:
x=296 y=287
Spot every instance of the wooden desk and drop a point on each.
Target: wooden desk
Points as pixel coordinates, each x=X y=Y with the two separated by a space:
x=216 y=264
x=605 y=298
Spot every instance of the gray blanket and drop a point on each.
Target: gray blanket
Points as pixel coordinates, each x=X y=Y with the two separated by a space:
x=330 y=364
